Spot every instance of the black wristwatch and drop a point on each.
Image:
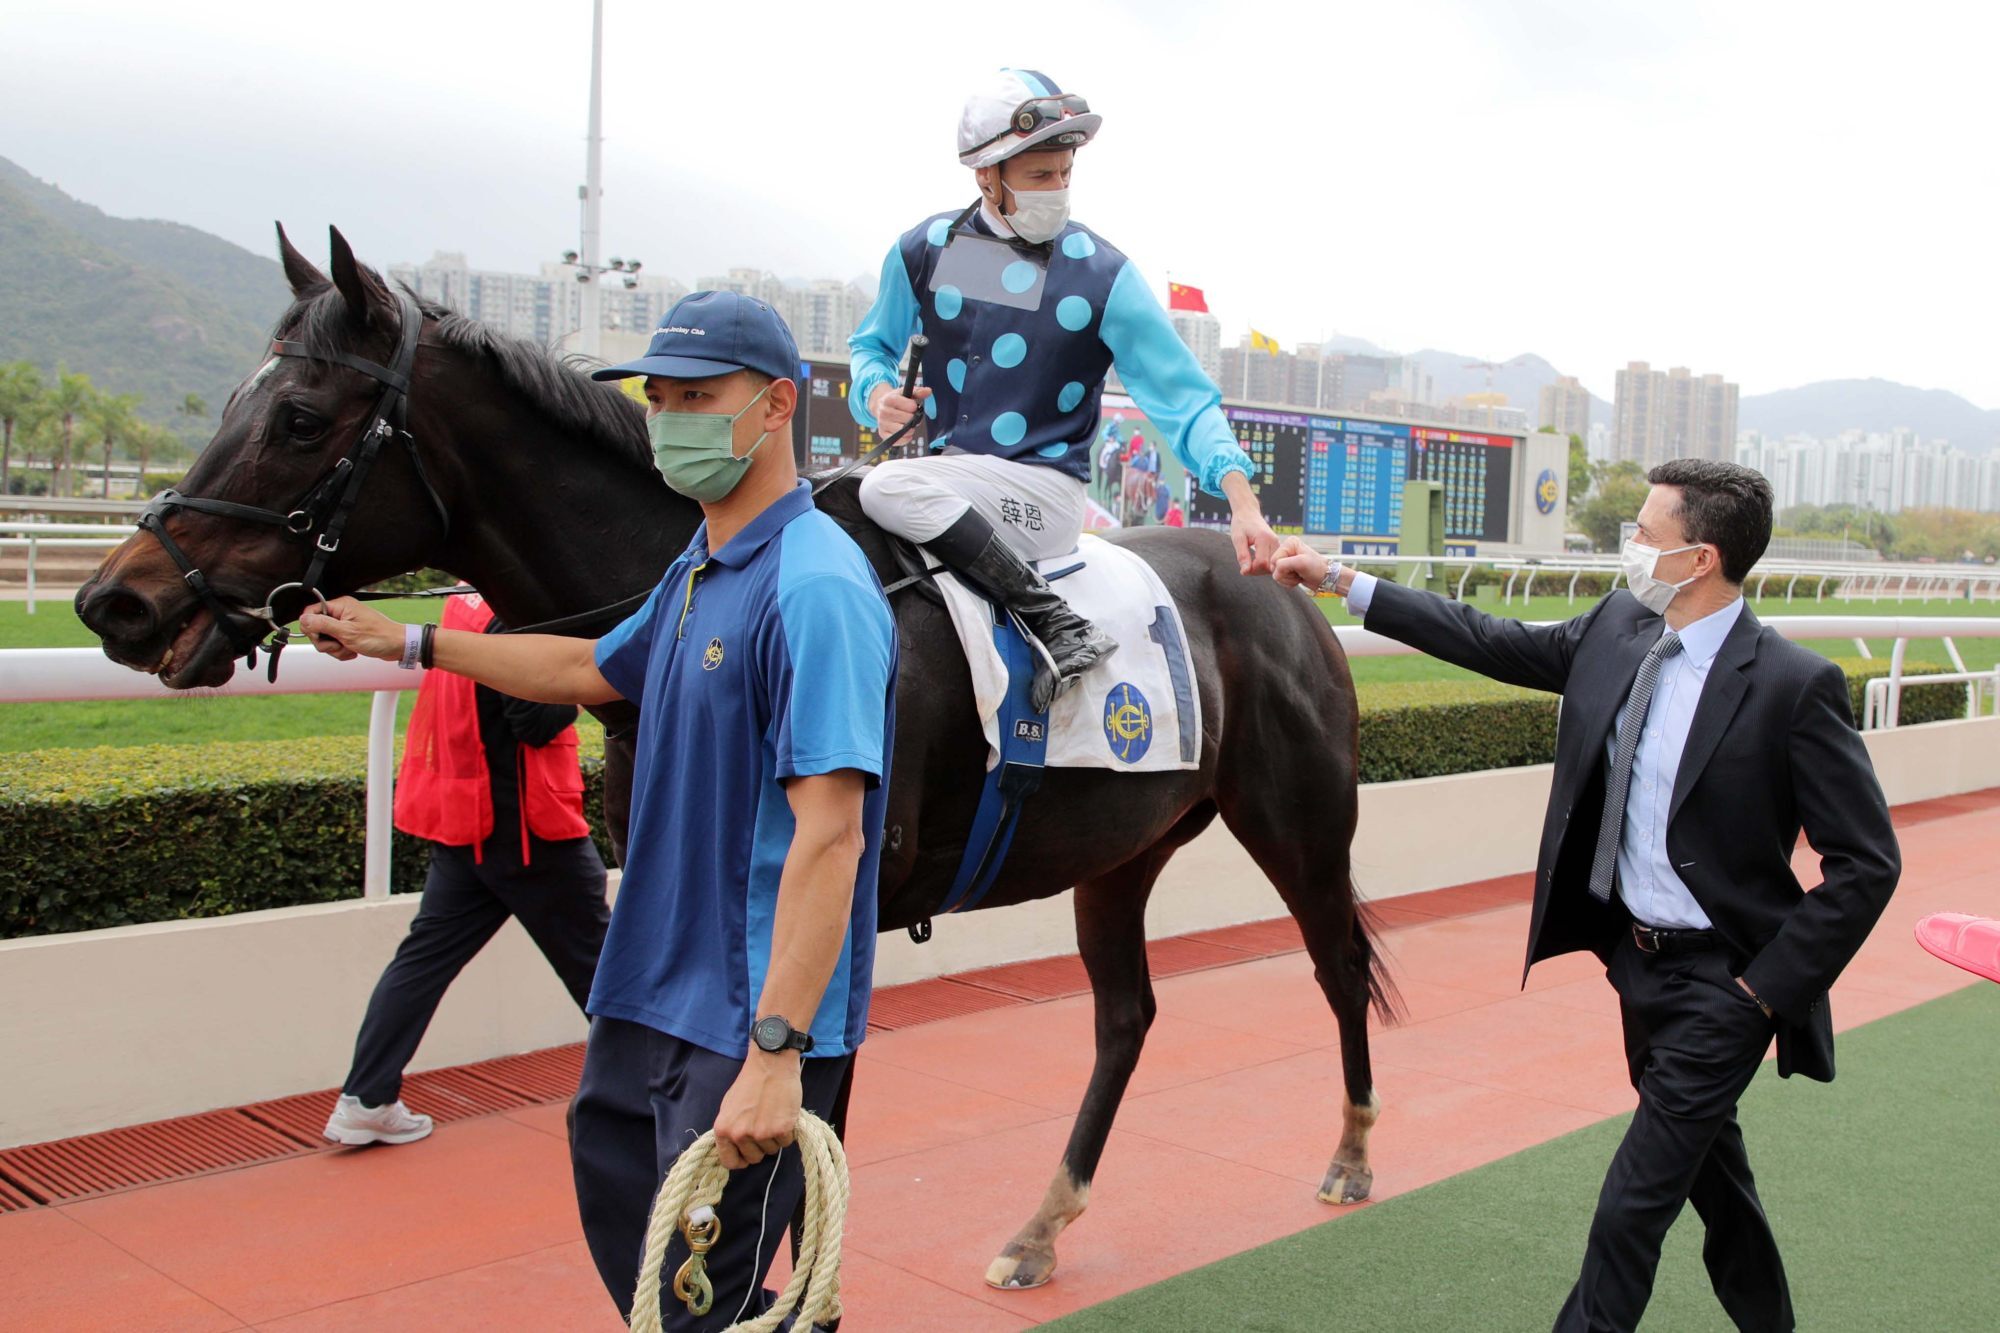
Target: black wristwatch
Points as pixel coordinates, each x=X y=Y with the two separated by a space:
x=774 y=1034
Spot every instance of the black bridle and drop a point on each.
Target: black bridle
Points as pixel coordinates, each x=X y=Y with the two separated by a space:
x=321 y=514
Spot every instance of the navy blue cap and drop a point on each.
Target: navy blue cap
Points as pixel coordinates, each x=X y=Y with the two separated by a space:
x=715 y=333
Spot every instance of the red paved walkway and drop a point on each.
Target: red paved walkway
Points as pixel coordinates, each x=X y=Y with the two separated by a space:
x=958 y=1125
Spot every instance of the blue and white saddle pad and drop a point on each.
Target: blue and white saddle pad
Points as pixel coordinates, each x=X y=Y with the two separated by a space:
x=1137 y=711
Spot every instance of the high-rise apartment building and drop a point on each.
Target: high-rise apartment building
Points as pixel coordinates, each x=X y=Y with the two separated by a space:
x=823 y=313
x=543 y=307
x=1565 y=408
x=1660 y=415
x=1202 y=332
x=547 y=307
x=1883 y=473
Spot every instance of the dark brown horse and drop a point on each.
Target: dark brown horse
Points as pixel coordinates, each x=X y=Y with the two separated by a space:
x=550 y=506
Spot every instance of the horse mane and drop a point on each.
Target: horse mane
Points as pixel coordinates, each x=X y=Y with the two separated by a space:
x=554 y=386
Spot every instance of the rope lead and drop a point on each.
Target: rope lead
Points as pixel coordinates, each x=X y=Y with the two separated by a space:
x=686 y=1203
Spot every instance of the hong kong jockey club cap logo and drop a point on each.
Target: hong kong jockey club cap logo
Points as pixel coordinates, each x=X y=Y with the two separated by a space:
x=1546 y=491
x=1128 y=723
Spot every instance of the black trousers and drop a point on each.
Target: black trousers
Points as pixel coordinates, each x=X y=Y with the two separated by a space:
x=1693 y=1041
x=559 y=899
x=645 y=1096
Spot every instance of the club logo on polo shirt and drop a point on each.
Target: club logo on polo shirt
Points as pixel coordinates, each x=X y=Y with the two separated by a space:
x=712 y=658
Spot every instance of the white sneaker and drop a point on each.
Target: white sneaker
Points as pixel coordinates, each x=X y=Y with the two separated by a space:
x=354 y=1124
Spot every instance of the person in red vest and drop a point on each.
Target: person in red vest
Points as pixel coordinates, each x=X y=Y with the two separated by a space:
x=492 y=782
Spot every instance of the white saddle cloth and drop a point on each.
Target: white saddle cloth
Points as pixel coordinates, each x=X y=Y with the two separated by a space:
x=1127 y=713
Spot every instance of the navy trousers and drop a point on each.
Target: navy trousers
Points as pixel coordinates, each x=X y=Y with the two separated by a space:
x=559 y=900
x=1693 y=1041
x=645 y=1097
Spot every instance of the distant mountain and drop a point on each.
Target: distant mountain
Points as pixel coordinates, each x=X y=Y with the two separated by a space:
x=1341 y=342
x=1833 y=406
x=153 y=308
x=1521 y=378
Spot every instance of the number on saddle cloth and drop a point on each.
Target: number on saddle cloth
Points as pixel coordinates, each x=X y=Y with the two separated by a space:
x=1023 y=752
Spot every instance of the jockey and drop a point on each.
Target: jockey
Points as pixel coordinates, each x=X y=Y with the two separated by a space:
x=1026 y=311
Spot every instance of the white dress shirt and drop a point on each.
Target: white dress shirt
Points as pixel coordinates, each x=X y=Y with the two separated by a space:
x=1646 y=878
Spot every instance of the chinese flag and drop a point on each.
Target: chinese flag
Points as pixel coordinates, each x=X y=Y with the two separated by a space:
x=1182 y=297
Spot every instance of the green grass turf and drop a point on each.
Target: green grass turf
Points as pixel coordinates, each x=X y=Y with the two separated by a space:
x=1880 y=1186
x=194 y=720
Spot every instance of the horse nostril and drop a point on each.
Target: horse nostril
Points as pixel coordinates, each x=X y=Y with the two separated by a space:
x=119 y=613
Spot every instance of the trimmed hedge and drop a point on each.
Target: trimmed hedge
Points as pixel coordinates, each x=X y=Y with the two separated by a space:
x=1921 y=703
x=1426 y=729
x=112 y=836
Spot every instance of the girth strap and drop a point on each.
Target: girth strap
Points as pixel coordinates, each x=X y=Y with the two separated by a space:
x=1023 y=753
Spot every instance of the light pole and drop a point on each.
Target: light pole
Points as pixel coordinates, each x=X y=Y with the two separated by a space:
x=584 y=259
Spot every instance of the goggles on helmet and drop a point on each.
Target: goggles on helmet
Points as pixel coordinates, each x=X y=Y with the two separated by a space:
x=1036 y=112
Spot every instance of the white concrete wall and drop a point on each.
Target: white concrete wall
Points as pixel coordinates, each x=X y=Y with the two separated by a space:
x=113 y=1027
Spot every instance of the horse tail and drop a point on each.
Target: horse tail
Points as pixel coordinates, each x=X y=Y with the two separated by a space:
x=1370 y=962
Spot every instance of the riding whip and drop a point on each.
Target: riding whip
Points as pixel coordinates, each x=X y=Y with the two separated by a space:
x=917 y=345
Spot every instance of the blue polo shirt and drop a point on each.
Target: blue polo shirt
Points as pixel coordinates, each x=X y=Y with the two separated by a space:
x=772 y=658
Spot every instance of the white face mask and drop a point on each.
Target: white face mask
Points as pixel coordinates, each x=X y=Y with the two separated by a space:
x=1039 y=215
x=1639 y=562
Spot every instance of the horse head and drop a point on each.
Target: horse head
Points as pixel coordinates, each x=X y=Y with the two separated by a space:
x=290 y=437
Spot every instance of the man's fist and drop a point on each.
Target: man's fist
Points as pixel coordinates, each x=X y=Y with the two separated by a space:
x=1299 y=566
x=349 y=629
x=894 y=410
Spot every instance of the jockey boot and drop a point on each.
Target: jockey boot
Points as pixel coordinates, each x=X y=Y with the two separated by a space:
x=1066 y=644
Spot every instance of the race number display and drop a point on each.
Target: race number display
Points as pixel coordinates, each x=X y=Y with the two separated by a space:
x=1344 y=475
x=825 y=434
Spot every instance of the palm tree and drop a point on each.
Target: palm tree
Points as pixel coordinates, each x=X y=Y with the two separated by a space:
x=150 y=437
x=111 y=416
x=20 y=390
x=72 y=398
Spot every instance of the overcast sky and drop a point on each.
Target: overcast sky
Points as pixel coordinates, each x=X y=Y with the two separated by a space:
x=1781 y=192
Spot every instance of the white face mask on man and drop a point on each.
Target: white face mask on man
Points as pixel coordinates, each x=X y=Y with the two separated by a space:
x=1038 y=215
x=1638 y=562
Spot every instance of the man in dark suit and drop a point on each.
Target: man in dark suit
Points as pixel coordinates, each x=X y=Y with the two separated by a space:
x=1694 y=745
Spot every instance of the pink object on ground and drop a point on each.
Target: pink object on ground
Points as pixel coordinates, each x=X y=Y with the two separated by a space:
x=1970 y=942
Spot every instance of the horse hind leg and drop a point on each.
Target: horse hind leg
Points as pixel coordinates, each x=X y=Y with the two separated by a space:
x=1111 y=936
x=1306 y=856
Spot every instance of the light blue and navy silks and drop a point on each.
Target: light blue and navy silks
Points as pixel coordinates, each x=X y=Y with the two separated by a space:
x=1027 y=384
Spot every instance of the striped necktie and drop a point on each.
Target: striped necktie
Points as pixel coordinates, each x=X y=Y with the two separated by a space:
x=1604 y=866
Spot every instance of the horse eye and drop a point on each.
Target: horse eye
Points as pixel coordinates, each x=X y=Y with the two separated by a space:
x=302 y=425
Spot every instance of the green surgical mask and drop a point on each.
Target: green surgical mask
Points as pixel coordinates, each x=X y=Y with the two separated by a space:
x=696 y=451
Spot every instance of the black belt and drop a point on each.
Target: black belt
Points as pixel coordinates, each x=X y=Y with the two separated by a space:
x=1651 y=939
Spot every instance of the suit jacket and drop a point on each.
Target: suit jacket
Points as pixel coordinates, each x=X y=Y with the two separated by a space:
x=1772 y=748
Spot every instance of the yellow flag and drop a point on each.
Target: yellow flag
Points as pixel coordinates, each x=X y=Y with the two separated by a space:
x=1263 y=342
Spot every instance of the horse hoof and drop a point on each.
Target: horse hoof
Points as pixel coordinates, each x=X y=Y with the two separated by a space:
x=1021 y=1270
x=1346 y=1183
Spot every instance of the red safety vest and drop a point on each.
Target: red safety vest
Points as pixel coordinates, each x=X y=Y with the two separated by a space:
x=444 y=793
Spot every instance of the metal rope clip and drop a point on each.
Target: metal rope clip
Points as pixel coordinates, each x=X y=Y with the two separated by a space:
x=702 y=1228
x=280 y=634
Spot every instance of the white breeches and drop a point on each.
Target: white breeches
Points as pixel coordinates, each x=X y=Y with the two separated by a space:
x=1037 y=510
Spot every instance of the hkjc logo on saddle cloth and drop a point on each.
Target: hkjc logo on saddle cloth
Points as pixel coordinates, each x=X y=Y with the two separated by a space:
x=712 y=657
x=1128 y=723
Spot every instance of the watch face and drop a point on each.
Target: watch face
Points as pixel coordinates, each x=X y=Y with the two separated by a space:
x=770 y=1033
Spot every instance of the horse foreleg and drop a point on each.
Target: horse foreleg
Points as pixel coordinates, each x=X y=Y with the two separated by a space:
x=1111 y=936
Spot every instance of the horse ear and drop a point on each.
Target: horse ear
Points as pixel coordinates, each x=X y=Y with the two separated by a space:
x=358 y=287
x=298 y=269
